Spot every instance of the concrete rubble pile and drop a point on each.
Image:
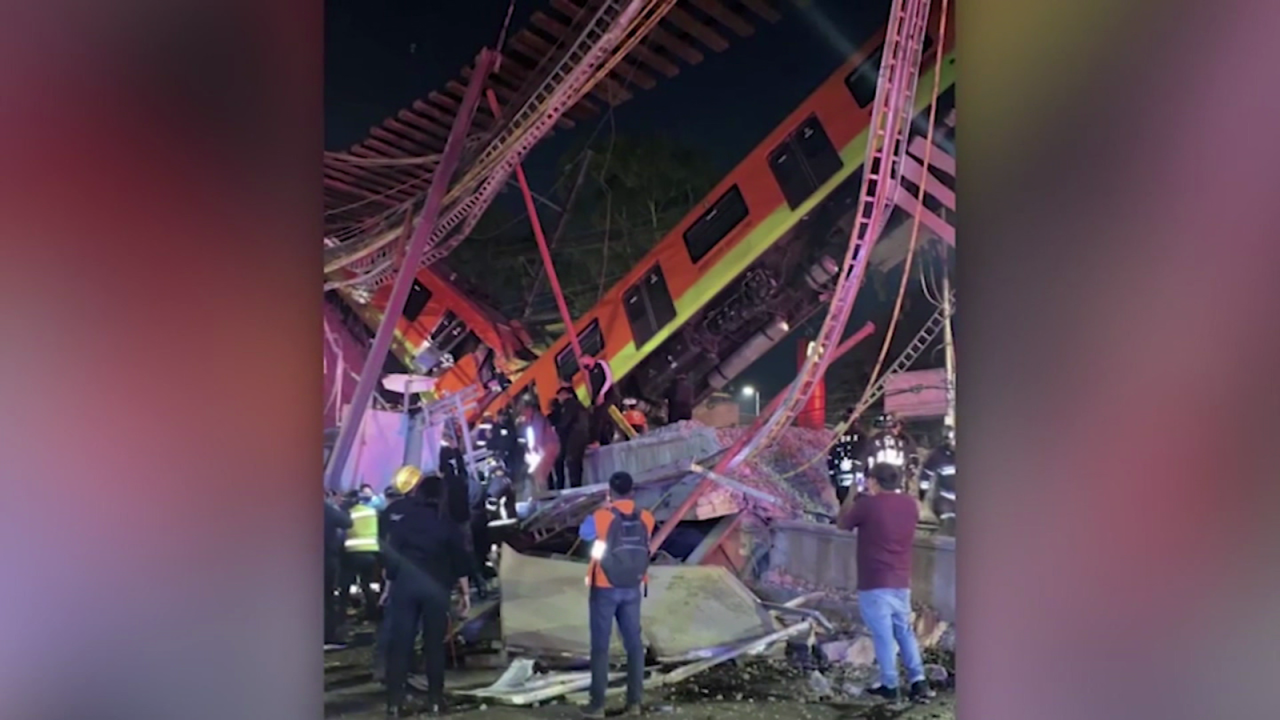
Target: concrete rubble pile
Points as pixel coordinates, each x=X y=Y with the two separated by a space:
x=710 y=601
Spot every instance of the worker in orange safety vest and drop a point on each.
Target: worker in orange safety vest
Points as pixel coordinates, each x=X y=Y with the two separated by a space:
x=618 y=535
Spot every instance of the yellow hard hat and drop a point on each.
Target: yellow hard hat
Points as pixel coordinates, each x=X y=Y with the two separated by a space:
x=406 y=479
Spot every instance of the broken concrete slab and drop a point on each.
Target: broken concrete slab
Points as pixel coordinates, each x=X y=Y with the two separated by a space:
x=816 y=556
x=673 y=445
x=690 y=611
x=857 y=651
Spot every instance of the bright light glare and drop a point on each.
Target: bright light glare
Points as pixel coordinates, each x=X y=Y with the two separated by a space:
x=748 y=391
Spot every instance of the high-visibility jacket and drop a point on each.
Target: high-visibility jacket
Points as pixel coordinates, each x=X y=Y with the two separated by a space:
x=363 y=535
x=600 y=521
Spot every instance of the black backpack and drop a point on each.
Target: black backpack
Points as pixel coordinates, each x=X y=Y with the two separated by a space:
x=626 y=558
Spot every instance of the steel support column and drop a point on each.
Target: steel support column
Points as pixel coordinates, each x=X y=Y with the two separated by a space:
x=545 y=250
x=440 y=178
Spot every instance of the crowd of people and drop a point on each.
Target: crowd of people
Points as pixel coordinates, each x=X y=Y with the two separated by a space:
x=407 y=550
x=565 y=433
x=930 y=476
x=418 y=552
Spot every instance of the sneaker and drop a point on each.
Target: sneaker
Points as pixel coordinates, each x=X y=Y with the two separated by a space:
x=921 y=692
x=886 y=693
x=634 y=710
x=593 y=713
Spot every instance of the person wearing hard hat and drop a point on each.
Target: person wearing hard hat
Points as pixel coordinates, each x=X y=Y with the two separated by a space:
x=634 y=416
x=425 y=560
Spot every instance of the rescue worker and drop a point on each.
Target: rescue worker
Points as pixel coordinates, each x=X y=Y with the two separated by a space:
x=891 y=445
x=634 y=416
x=380 y=637
x=680 y=397
x=617 y=575
x=425 y=559
x=542 y=448
x=604 y=396
x=360 y=556
x=370 y=497
x=335 y=521
x=845 y=462
x=938 y=481
x=461 y=493
x=573 y=428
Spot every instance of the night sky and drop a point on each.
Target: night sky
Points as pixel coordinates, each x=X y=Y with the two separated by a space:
x=381 y=55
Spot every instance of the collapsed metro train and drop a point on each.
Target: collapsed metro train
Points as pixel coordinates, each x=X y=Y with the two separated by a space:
x=448 y=332
x=757 y=256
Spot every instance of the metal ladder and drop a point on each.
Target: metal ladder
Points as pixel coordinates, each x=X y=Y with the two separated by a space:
x=891 y=117
x=919 y=344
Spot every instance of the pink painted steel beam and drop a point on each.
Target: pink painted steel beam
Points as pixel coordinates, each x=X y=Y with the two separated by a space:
x=541 y=237
x=939 y=160
x=913 y=170
x=408 y=270
x=908 y=202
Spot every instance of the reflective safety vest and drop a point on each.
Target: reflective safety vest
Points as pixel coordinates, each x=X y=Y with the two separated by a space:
x=603 y=518
x=363 y=535
x=888 y=449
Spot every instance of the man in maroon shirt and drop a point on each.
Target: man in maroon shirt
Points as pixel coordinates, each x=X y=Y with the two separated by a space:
x=885 y=520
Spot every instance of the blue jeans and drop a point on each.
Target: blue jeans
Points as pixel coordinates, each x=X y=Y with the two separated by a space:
x=605 y=605
x=887 y=613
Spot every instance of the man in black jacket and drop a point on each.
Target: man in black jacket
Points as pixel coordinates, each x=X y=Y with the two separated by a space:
x=335 y=521
x=459 y=500
x=425 y=558
x=573 y=426
x=680 y=399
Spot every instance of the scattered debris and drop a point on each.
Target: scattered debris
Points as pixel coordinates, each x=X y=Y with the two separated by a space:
x=858 y=652
x=819 y=685
x=690 y=612
x=937 y=675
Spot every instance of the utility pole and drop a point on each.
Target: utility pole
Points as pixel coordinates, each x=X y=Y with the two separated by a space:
x=417 y=245
x=949 y=348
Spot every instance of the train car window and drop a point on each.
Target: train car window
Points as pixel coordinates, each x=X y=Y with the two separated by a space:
x=443 y=328
x=804 y=161
x=648 y=306
x=788 y=170
x=419 y=296
x=467 y=345
x=862 y=81
x=637 y=311
x=715 y=224
x=660 y=302
x=592 y=342
x=820 y=156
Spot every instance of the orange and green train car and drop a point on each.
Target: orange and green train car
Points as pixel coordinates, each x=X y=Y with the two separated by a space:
x=755 y=257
